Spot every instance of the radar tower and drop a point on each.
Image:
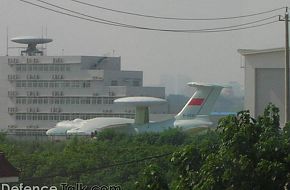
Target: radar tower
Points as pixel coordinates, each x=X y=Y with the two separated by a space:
x=31 y=43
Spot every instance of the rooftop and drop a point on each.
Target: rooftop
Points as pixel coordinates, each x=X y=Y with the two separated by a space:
x=6 y=168
x=257 y=51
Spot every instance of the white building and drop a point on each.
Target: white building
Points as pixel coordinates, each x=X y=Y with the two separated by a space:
x=264 y=79
x=38 y=91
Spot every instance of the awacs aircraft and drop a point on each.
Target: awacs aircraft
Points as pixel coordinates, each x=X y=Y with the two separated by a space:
x=193 y=116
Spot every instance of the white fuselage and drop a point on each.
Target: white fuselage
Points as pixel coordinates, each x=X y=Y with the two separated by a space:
x=128 y=126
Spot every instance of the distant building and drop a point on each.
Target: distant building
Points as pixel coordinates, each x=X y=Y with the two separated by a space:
x=264 y=79
x=37 y=91
x=8 y=173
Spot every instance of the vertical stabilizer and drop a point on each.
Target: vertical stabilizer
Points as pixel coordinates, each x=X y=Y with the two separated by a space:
x=202 y=101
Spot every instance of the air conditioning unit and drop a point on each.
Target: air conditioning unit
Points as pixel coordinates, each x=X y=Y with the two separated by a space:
x=12 y=126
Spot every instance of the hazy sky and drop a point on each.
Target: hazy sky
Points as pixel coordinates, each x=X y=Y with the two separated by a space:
x=210 y=57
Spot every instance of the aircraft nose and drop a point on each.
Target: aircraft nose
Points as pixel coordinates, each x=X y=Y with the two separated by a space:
x=51 y=131
x=56 y=131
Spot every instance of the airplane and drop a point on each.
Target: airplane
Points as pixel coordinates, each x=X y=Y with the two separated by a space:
x=193 y=117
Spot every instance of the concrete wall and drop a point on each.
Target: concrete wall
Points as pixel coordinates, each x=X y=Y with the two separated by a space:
x=5 y=102
x=264 y=81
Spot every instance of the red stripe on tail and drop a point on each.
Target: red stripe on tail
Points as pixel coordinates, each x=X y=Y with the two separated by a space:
x=196 y=102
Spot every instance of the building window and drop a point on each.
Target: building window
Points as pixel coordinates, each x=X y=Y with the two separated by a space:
x=40 y=100
x=56 y=101
x=114 y=83
x=45 y=117
x=111 y=100
x=86 y=84
x=18 y=83
x=50 y=100
x=61 y=117
x=51 y=67
x=62 y=67
x=34 y=67
x=56 y=68
x=18 y=117
x=73 y=101
x=83 y=101
x=23 y=67
x=34 y=101
x=61 y=100
x=67 y=84
x=23 y=84
x=77 y=100
x=45 y=101
x=105 y=100
x=13 y=60
x=136 y=83
x=51 y=85
x=40 y=67
x=29 y=84
x=57 y=60
x=18 y=100
x=18 y=67
x=45 y=84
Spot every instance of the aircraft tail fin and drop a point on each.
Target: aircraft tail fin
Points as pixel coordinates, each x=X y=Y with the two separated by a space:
x=202 y=101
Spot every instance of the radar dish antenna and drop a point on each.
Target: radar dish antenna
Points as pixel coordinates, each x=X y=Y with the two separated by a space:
x=31 y=42
x=142 y=104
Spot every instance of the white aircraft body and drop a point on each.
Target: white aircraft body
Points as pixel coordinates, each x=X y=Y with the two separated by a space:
x=193 y=116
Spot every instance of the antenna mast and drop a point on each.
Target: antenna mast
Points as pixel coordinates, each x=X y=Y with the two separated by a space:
x=286 y=67
x=45 y=37
x=7 y=41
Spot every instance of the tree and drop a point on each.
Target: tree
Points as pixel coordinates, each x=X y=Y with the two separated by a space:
x=152 y=179
x=250 y=154
x=82 y=159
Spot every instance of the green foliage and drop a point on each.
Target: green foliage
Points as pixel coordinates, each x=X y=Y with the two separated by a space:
x=2 y=137
x=188 y=161
x=242 y=153
x=249 y=154
x=78 y=159
x=110 y=135
x=171 y=136
x=152 y=179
